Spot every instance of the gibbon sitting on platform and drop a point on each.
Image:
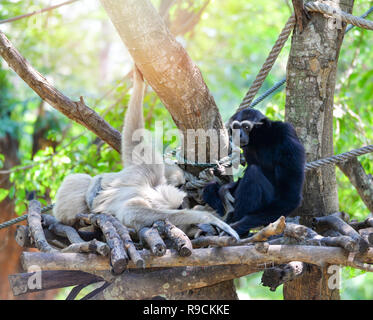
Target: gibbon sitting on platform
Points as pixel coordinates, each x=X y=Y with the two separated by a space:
x=272 y=183
x=140 y=194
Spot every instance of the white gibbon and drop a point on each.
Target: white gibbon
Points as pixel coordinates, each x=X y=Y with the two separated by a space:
x=140 y=194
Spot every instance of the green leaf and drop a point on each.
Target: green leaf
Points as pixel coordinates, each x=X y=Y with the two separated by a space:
x=3 y=194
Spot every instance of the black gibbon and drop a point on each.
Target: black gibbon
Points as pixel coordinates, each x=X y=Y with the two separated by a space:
x=140 y=194
x=273 y=179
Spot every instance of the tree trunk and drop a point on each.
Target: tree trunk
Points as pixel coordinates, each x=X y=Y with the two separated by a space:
x=178 y=82
x=311 y=77
x=168 y=69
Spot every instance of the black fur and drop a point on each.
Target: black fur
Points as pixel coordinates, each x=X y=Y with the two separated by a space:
x=273 y=180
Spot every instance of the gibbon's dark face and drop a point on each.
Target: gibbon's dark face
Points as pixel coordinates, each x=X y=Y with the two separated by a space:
x=246 y=121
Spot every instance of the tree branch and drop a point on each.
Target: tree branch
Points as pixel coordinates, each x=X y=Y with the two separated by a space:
x=362 y=182
x=167 y=67
x=77 y=111
x=249 y=255
x=169 y=281
x=37 y=12
x=50 y=280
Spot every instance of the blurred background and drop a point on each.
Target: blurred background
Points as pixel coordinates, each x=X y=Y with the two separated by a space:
x=78 y=50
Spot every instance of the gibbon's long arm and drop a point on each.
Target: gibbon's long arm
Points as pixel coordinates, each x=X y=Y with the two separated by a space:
x=134 y=118
x=141 y=193
x=132 y=149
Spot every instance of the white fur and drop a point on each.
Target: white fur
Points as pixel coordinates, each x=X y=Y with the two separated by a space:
x=138 y=195
x=70 y=198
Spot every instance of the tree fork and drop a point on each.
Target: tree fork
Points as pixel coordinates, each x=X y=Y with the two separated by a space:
x=168 y=69
x=178 y=82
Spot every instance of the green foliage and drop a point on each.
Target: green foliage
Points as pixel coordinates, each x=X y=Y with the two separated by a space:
x=250 y=288
x=356 y=285
x=3 y=194
x=2 y=158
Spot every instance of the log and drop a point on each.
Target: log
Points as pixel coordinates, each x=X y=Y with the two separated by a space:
x=150 y=237
x=35 y=227
x=296 y=231
x=88 y=247
x=302 y=235
x=344 y=242
x=367 y=223
x=19 y=283
x=214 y=241
x=272 y=229
x=65 y=231
x=342 y=215
x=336 y=223
x=47 y=220
x=278 y=275
x=124 y=234
x=367 y=235
x=77 y=243
x=262 y=235
x=135 y=286
x=22 y=237
x=362 y=181
x=278 y=254
x=331 y=233
x=180 y=240
x=118 y=256
x=57 y=238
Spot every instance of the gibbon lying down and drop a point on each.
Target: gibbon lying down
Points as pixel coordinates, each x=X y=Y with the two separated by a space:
x=138 y=195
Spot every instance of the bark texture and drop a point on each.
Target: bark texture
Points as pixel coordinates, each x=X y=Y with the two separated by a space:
x=252 y=256
x=77 y=111
x=311 y=77
x=175 y=78
x=173 y=282
x=166 y=66
x=362 y=182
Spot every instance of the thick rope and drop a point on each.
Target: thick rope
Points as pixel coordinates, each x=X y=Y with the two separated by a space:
x=268 y=64
x=339 y=158
x=339 y=14
x=22 y=218
x=276 y=86
x=206 y=175
x=227 y=161
x=367 y=13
